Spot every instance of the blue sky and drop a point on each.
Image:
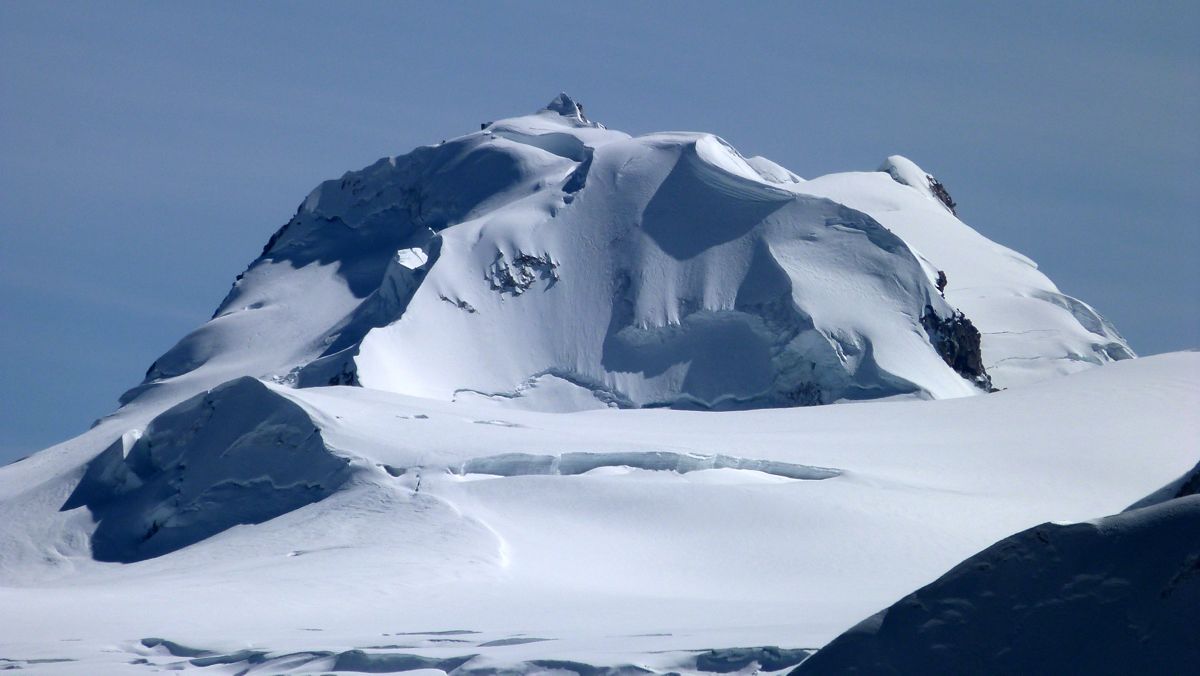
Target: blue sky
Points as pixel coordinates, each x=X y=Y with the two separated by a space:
x=149 y=149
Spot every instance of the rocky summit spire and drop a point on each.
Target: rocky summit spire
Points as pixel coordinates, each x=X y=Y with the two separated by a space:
x=564 y=105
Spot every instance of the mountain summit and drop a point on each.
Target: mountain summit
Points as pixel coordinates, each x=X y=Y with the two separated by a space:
x=554 y=263
x=566 y=106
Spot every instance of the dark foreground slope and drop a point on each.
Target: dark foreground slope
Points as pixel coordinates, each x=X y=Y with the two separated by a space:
x=1120 y=595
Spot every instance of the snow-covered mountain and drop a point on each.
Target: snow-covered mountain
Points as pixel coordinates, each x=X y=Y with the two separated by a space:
x=554 y=263
x=410 y=437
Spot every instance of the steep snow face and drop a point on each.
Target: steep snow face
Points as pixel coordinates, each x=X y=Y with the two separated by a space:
x=345 y=262
x=548 y=262
x=1031 y=331
x=1120 y=595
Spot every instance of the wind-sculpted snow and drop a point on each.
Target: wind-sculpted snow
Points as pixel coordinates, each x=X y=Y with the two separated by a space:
x=671 y=278
x=663 y=270
x=1120 y=595
x=240 y=454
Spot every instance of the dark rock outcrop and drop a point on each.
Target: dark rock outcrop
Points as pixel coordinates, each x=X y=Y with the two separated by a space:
x=958 y=341
x=519 y=275
x=943 y=195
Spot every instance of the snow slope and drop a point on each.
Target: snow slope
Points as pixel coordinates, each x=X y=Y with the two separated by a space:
x=584 y=529
x=1031 y=330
